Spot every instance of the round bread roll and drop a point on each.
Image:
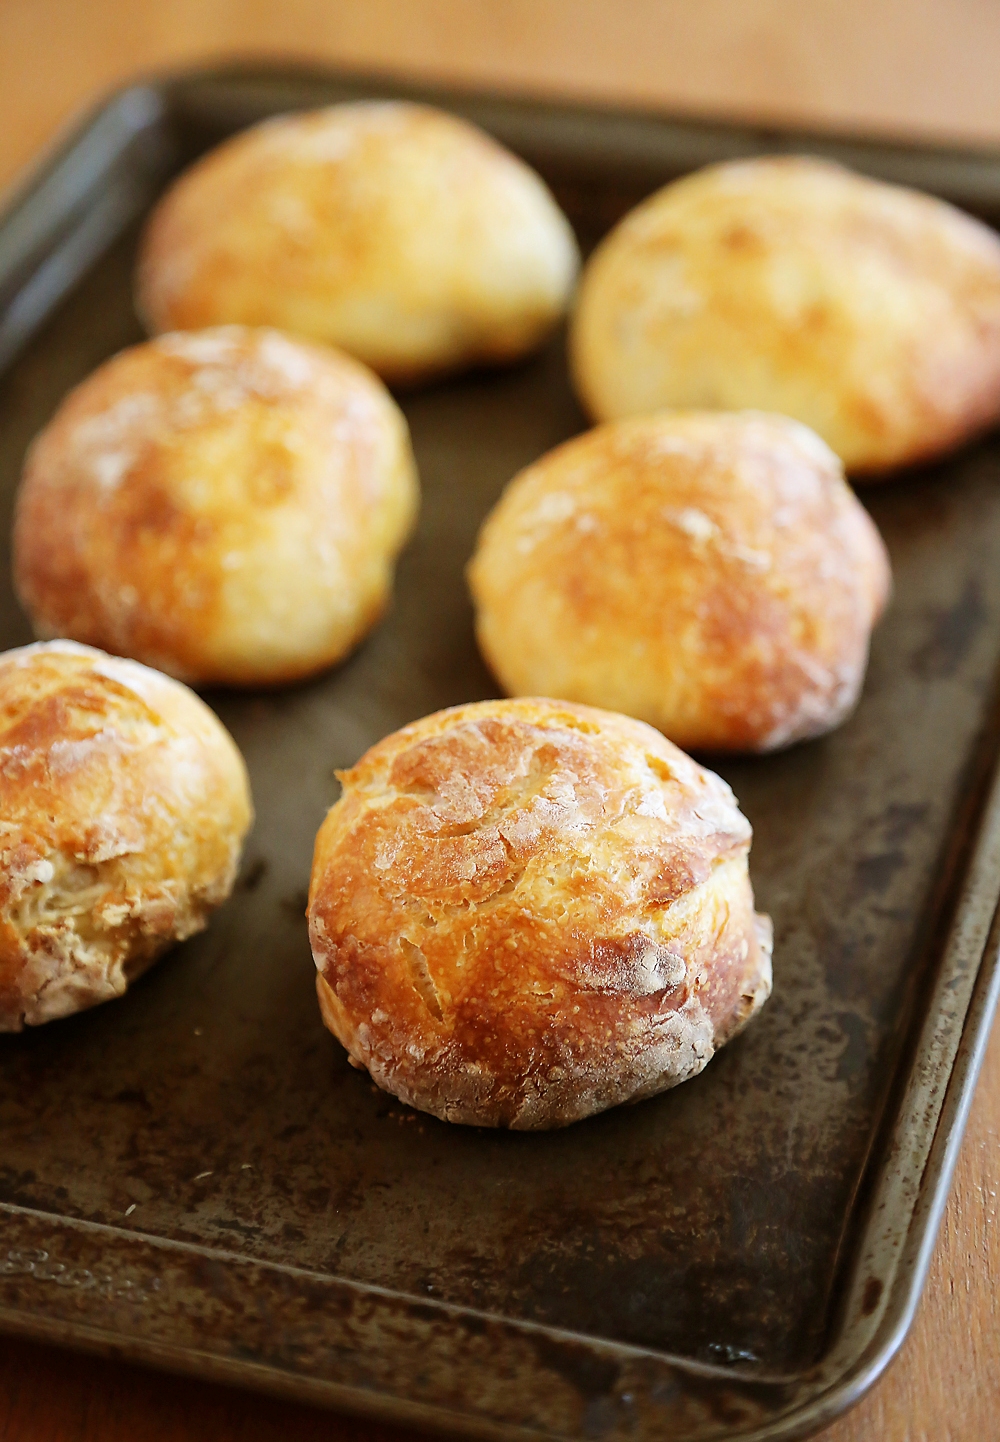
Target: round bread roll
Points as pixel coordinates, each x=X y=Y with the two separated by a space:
x=123 y=807
x=868 y=311
x=224 y=505
x=523 y=912
x=404 y=235
x=710 y=573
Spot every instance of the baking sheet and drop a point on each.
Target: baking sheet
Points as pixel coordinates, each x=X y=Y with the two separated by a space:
x=196 y=1177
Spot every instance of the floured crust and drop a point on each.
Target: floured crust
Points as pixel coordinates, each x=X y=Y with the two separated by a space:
x=868 y=311
x=226 y=506
x=403 y=234
x=524 y=912
x=123 y=807
x=709 y=573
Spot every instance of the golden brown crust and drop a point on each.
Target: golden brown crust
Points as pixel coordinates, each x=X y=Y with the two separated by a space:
x=709 y=573
x=123 y=807
x=867 y=311
x=225 y=506
x=523 y=912
x=402 y=234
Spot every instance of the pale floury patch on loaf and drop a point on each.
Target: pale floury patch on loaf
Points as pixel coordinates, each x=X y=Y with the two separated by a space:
x=524 y=912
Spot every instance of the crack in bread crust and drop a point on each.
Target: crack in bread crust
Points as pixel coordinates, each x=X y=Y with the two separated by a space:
x=524 y=912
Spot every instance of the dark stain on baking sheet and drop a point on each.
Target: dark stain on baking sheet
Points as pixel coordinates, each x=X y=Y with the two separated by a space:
x=210 y=1108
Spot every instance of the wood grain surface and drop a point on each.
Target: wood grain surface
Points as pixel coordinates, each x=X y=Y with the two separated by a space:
x=925 y=67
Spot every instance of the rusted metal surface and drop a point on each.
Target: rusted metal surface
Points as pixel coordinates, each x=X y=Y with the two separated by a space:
x=195 y=1176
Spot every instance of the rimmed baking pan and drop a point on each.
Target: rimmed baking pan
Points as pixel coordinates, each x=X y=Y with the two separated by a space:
x=195 y=1177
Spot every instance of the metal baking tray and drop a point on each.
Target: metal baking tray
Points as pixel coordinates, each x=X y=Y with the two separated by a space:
x=194 y=1177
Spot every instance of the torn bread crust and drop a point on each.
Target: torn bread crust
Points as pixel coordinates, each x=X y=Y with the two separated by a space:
x=84 y=933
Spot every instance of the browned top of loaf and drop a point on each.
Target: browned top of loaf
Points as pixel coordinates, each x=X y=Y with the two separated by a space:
x=492 y=887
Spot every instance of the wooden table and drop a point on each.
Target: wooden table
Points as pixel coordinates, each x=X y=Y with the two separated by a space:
x=900 y=66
